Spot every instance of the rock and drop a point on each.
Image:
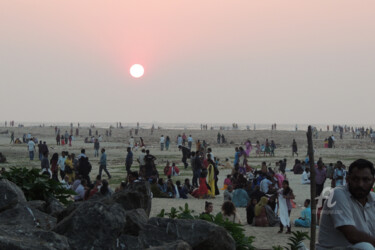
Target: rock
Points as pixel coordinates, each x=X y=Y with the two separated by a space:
x=93 y=225
x=135 y=221
x=3 y=159
x=10 y=195
x=68 y=210
x=17 y=237
x=54 y=207
x=176 y=245
x=27 y=217
x=39 y=205
x=127 y=242
x=137 y=195
x=199 y=234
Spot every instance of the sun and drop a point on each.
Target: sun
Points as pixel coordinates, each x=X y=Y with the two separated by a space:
x=137 y=71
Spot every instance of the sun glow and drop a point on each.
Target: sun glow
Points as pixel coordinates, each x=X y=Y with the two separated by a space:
x=137 y=71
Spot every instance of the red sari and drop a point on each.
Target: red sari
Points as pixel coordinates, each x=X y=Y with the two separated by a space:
x=202 y=191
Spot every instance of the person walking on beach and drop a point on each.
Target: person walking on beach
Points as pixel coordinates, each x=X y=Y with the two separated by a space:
x=167 y=142
x=66 y=136
x=96 y=148
x=31 y=148
x=131 y=142
x=190 y=142
x=40 y=145
x=129 y=159
x=162 y=140
x=11 y=138
x=185 y=154
x=294 y=148
x=103 y=164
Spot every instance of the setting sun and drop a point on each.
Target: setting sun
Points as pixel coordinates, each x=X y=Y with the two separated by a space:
x=137 y=70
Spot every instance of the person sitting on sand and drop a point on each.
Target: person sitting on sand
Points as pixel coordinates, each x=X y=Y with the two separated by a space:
x=227 y=164
x=182 y=192
x=173 y=170
x=207 y=214
x=260 y=213
x=227 y=182
x=187 y=188
x=228 y=193
x=250 y=211
x=229 y=212
x=172 y=190
x=202 y=191
x=305 y=178
x=305 y=219
x=297 y=168
x=240 y=197
x=156 y=191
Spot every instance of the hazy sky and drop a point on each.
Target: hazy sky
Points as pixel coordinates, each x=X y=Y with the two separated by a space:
x=247 y=61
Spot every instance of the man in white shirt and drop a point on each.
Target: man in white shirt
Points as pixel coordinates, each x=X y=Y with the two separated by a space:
x=131 y=142
x=347 y=220
x=162 y=142
x=190 y=142
x=31 y=148
x=80 y=190
x=305 y=178
x=61 y=164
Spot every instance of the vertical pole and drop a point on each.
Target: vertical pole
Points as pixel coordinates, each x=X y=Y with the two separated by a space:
x=312 y=189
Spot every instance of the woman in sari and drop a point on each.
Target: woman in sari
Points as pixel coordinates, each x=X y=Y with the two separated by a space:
x=202 y=191
x=260 y=213
x=285 y=206
x=211 y=177
x=249 y=147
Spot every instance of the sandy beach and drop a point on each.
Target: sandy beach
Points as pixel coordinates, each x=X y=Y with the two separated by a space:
x=347 y=150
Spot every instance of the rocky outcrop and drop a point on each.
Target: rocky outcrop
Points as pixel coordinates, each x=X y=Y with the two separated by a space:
x=10 y=195
x=176 y=245
x=117 y=222
x=137 y=195
x=93 y=225
x=17 y=237
x=199 y=234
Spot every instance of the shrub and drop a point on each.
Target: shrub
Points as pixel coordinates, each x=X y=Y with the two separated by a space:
x=36 y=186
x=235 y=230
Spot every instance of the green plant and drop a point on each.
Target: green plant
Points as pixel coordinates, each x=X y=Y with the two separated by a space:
x=36 y=186
x=235 y=230
x=294 y=241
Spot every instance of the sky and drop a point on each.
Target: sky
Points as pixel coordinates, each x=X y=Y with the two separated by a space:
x=264 y=61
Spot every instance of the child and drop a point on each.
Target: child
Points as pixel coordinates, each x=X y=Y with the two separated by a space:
x=227 y=182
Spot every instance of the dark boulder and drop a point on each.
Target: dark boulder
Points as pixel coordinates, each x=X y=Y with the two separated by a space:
x=37 y=204
x=10 y=195
x=199 y=234
x=54 y=207
x=176 y=245
x=127 y=242
x=24 y=215
x=93 y=225
x=137 y=195
x=3 y=159
x=68 y=210
x=136 y=220
x=18 y=238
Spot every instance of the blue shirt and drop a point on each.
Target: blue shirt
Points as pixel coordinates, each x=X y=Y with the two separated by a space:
x=236 y=158
x=103 y=160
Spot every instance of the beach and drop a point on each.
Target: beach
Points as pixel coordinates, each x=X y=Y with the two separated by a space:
x=347 y=150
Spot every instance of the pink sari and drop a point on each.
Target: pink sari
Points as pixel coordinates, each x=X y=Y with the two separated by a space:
x=249 y=147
